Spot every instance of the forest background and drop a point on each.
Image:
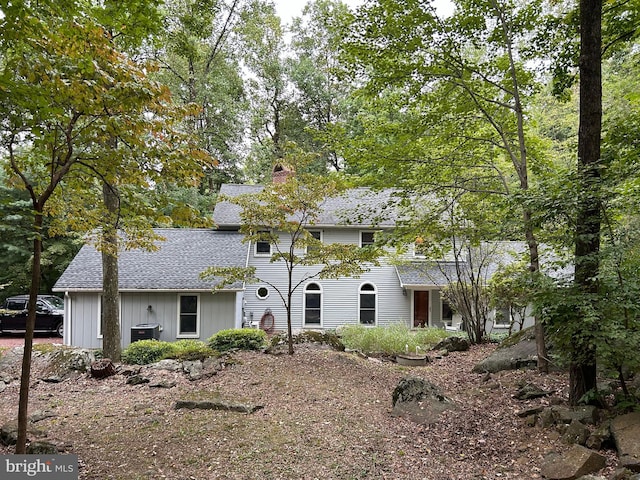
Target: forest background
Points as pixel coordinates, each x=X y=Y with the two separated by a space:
x=130 y=115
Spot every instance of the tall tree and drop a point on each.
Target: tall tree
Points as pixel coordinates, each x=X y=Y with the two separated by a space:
x=66 y=91
x=456 y=91
x=320 y=97
x=272 y=113
x=198 y=52
x=582 y=370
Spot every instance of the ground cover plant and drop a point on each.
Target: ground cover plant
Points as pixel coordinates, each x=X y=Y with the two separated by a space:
x=394 y=339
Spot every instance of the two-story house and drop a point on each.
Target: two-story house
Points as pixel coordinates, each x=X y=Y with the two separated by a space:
x=163 y=289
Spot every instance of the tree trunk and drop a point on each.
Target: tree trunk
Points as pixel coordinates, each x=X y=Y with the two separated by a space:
x=534 y=266
x=103 y=368
x=582 y=370
x=23 y=402
x=289 y=327
x=111 y=338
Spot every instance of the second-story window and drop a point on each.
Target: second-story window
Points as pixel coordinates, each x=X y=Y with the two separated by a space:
x=263 y=247
x=367 y=238
x=317 y=234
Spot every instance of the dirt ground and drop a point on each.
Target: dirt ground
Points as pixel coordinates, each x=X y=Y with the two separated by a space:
x=324 y=415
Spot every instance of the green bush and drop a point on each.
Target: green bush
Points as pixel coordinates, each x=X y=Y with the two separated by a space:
x=190 y=350
x=237 y=338
x=144 y=352
x=396 y=338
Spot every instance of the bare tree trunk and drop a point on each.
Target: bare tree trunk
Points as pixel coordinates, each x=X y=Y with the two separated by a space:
x=289 y=297
x=582 y=369
x=23 y=402
x=111 y=337
x=534 y=266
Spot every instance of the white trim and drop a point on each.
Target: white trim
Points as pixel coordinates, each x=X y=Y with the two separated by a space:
x=151 y=290
x=266 y=296
x=368 y=292
x=239 y=304
x=304 y=305
x=365 y=231
x=66 y=338
x=100 y=314
x=503 y=324
x=195 y=334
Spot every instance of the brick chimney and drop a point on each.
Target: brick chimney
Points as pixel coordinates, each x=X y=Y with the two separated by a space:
x=281 y=173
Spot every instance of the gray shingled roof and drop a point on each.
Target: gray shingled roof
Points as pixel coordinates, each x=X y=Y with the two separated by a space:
x=425 y=274
x=428 y=274
x=356 y=207
x=175 y=266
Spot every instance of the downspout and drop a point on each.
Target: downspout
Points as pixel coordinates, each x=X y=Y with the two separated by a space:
x=240 y=303
x=66 y=337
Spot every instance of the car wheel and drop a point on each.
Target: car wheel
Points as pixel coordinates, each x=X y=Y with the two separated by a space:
x=60 y=330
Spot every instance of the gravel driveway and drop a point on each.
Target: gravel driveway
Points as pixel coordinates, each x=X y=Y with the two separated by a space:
x=18 y=340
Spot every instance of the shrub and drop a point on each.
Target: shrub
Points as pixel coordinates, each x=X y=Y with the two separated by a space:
x=396 y=338
x=144 y=352
x=190 y=350
x=237 y=338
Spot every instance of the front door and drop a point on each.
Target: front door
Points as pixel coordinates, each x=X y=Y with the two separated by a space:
x=420 y=308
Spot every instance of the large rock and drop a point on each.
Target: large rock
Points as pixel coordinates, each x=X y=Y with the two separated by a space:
x=217 y=404
x=518 y=351
x=572 y=464
x=576 y=433
x=40 y=447
x=626 y=434
x=9 y=432
x=587 y=414
x=453 y=344
x=419 y=400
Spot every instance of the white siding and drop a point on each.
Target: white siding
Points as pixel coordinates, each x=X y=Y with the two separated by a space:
x=217 y=312
x=339 y=297
x=85 y=311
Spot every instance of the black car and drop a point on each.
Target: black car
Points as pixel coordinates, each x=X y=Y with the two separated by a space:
x=49 y=314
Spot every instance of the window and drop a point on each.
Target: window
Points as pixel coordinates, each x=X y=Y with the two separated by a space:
x=263 y=247
x=317 y=234
x=447 y=314
x=502 y=317
x=312 y=304
x=262 y=293
x=367 y=304
x=420 y=248
x=367 y=238
x=17 y=305
x=188 y=316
